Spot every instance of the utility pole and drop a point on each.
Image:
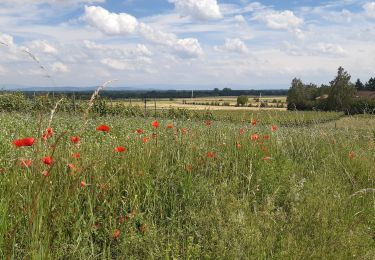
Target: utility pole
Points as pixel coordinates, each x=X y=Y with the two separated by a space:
x=260 y=97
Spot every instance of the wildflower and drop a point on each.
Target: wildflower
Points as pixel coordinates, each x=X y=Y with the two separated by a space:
x=83 y=184
x=238 y=145
x=103 y=128
x=170 y=126
x=208 y=122
x=25 y=163
x=266 y=158
x=45 y=173
x=351 y=155
x=211 y=154
x=142 y=228
x=274 y=128
x=188 y=167
x=155 y=124
x=254 y=122
x=120 y=149
x=139 y=131
x=71 y=166
x=47 y=160
x=183 y=130
x=145 y=139
x=76 y=155
x=116 y=234
x=266 y=137
x=242 y=131
x=75 y=139
x=24 y=142
x=254 y=137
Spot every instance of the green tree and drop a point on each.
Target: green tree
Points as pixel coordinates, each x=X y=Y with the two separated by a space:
x=301 y=96
x=359 y=85
x=370 y=85
x=242 y=100
x=342 y=91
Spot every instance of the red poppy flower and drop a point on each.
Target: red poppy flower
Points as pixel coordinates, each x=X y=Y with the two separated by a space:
x=254 y=137
x=145 y=139
x=170 y=126
x=242 y=131
x=71 y=166
x=155 y=124
x=238 y=145
x=266 y=158
x=208 y=122
x=274 y=128
x=254 y=122
x=83 y=184
x=120 y=149
x=266 y=137
x=211 y=154
x=47 y=160
x=103 y=128
x=24 y=142
x=351 y=155
x=25 y=163
x=45 y=173
x=139 y=131
x=183 y=130
x=75 y=139
x=76 y=155
x=116 y=234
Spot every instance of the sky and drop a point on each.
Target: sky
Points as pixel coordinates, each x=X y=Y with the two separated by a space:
x=184 y=44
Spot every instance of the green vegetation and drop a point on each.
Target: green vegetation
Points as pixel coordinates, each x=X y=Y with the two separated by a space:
x=339 y=95
x=194 y=190
x=242 y=100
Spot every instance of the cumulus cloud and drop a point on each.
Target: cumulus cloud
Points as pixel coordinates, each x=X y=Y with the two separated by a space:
x=115 y=64
x=110 y=23
x=369 y=9
x=330 y=49
x=233 y=45
x=6 y=39
x=118 y=24
x=59 y=67
x=43 y=46
x=279 y=20
x=199 y=9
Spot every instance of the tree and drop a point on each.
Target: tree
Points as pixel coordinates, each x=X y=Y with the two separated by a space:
x=301 y=96
x=359 y=85
x=242 y=100
x=342 y=91
x=370 y=85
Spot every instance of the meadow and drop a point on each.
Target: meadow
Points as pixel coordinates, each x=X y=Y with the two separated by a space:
x=256 y=186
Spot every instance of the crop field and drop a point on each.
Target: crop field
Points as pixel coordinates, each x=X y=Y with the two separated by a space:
x=211 y=103
x=136 y=188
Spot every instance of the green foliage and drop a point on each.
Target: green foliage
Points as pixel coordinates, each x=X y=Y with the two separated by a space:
x=341 y=93
x=301 y=96
x=370 y=85
x=302 y=203
x=14 y=102
x=242 y=100
x=359 y=85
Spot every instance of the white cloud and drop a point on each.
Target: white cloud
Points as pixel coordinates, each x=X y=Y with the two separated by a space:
x=279 y=20
x=369 y=9
x=49 y=2
x=118 y=24
x=59 y=67
x=115 y=64
x=199 y=9
x=3 y=71
x=330 y=49
x=42 y=46
x=110 y=23
x=233 y=45
x=6 y=39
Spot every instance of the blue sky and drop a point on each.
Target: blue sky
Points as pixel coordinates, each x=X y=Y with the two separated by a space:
x=185 y=43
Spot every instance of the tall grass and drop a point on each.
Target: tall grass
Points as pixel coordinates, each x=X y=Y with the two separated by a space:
x=294 y=195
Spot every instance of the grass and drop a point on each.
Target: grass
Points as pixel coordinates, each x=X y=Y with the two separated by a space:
x=289 y=196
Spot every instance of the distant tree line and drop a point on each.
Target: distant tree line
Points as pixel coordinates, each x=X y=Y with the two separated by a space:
x=150 y=94
x=338 y=95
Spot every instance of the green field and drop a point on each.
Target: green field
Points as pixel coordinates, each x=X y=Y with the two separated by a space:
x=201 y=189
